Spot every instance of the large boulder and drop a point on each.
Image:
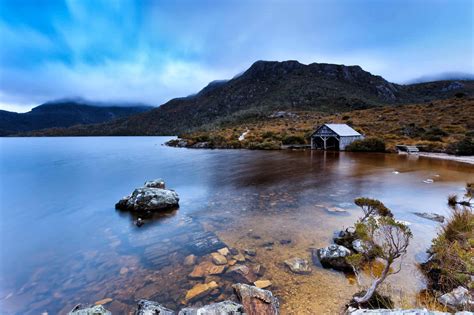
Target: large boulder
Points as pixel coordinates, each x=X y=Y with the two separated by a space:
x=89 y=310
x=458 y=299
x=256 y=301
x=333 y=256
x=149 y=199
x=222 y=308
x=145 y=307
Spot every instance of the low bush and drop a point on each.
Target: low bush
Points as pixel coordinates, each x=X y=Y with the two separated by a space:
x=452 y=261
x=462 y=147
x=367 y=145
x=293 y=139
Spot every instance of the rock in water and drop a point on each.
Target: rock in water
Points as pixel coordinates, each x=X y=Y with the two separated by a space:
x=206 y=268
x=344 y=238
x=200 y=290
x=190 y=260
x=156 y=183
x=149 y=199
x=89 y=310
x=145 y=307
x=218 y=259
x=256 y=301
x=242 y=273
x=458 y=299
x=222 y=308
x=298 y=265
x=333 y=256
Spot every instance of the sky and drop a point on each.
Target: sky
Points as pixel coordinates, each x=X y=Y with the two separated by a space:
x=151 y=51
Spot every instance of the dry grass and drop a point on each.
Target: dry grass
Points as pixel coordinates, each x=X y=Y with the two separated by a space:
x=433 y=125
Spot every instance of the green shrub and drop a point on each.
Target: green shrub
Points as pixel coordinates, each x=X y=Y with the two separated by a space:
x=452 y=260
x=463 y=147
x=293 y=139
x=265 y=145
x=367 y=145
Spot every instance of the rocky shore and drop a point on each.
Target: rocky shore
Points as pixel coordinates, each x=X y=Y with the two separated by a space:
x=252 y=301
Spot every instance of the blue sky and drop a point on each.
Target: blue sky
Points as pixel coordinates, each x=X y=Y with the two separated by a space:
x=151 y=51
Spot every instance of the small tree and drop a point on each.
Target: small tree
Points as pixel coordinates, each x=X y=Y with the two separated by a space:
x=385 y=238
x=372 y=207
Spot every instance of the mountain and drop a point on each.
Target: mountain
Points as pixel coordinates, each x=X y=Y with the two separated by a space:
x=269 y=86
x=63 y=114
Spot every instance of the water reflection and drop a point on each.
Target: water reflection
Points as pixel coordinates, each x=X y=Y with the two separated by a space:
x=66 y=244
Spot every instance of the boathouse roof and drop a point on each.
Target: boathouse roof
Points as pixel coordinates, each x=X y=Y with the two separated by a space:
x=341 y=130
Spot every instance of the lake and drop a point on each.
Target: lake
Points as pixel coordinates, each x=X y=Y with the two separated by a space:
x=63 y=243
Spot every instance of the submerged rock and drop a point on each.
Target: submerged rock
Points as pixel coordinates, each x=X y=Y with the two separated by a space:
x=241 y=273
x=333 y=256
x=200 y=290
x=458 y=299
x=89 y=310
x=298 y=265
x=190 y=260
x=222 y=308
x=218 y=259
x=224 y=251
x=145 y=307
x=256 y=301
x=207 y=268
x=431 y=216
x=149 y=199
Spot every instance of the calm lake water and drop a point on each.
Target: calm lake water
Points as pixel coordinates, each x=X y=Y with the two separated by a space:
x=62 y=242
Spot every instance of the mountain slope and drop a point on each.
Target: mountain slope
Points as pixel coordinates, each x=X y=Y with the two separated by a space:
x=63 y=114
x=271 y=86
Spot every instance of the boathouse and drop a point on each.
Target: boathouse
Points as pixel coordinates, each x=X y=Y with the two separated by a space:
x=334 y=137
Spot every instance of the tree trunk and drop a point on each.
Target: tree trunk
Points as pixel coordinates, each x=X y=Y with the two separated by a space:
x=373 y=287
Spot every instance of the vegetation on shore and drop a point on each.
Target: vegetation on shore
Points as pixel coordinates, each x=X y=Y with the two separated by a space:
x=452 y=252
x=439 y=126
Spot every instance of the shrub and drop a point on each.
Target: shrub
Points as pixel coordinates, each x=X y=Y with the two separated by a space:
x=268 y=134
x=389 y=239
x=367 y=145
x=293 y=139
x=452 y=259
x=266 y=145
x=462 y=147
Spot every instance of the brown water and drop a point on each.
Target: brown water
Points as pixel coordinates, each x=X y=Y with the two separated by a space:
x=62 y=242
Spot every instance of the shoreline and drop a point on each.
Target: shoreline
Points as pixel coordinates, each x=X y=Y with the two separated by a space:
x=444 y=156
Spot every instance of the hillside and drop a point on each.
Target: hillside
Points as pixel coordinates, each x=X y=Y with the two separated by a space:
x=63 y=114
x=433 y=125
x=267 y=87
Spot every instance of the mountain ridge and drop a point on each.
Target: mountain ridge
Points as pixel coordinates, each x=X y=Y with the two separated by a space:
x=63 y=114
x=269 y=86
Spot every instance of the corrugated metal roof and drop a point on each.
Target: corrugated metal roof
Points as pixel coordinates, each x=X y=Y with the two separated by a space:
x=343 y=130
